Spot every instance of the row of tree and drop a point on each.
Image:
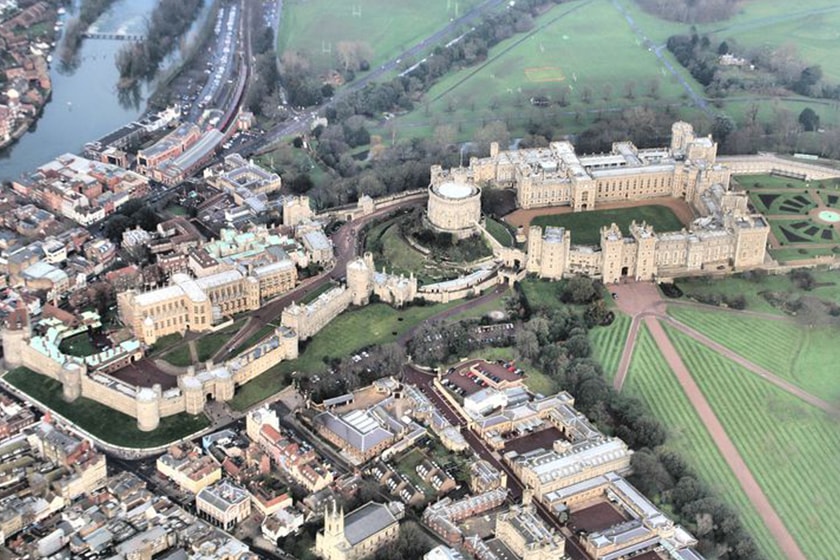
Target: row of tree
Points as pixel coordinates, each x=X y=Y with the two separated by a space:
x=89 y=11
x=168 y=22
x=691 y=11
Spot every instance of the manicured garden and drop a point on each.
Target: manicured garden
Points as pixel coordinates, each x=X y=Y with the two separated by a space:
x=79 y=345
x=791 y=448
x=500 y=232
x=585 y=227
x=104 y=422
x=651 y=380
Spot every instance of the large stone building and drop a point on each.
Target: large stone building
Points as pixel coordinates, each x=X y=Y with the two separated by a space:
x=358 y=534
x=454 y=203
x=197 y=304
x=725 y=236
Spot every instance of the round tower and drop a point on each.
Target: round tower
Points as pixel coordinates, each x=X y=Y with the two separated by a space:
x=148 y=408
x=71 y=380
x=193 y=393
x=359 y=279
x=224 y=385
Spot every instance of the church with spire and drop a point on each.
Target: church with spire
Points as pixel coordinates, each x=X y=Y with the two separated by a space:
x=360 y=533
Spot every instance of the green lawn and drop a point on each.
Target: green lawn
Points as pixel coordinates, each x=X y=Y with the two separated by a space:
x=791 y=254
x=608 y=343
x=585 y=227
x=791 y=448
x=651 y=380
x=807 y=357
x=101 y=421
x=313 y=295
x=353 y=330
x=78 y=345
x=253 y=339
x=765 y=181
x=180 y=356
x=315 y=28
x=541 y=294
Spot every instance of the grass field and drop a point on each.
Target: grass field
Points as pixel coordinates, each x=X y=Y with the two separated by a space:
x=575 y=47
x=608 y=343
x=353 y=330
x=791 y=448
x=100 y=420
x=180 y=356
x=315 y=28
x=805 y=356
x=541 y=294
x=585 y=227
x=651 y=380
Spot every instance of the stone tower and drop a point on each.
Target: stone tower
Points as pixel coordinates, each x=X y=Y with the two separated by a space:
x=645 y=250
x=193 y=392
x=224 y=385
x=682 y=134
x=253 y=290
x=750 y=240
x=71 y=380
x=534 y=249
x=148 y=408
x=612 y=245
x=360 y=279
x=16 y=333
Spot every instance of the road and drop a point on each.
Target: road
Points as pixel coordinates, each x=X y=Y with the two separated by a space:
x=345 y=243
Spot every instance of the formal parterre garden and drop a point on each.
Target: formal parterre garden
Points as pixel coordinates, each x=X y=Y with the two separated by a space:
x=790 y=447
x=651 y=380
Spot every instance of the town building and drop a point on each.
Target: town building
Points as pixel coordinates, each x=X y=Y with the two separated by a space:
x=360 y=533
x=185 y=465
x=80 y=189
x=527 y=536
x=224 y=504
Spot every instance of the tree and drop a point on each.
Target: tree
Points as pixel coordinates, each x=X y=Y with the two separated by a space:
x=723 y=127
x=527 y=344
x=723 y=48
x=578 y=289
x=809 y=119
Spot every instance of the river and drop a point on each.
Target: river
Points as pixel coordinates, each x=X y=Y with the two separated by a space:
x=85 y=103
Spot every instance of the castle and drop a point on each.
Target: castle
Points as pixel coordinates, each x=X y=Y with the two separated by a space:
x=726 y=236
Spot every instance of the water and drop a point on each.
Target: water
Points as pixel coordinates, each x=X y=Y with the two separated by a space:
x=85 y=103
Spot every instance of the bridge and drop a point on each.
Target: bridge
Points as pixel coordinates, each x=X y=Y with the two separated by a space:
x=135 y=37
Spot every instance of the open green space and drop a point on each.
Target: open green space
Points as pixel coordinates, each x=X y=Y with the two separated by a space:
x=585 y=227
x=791 y=448
x=317 y=28
x=764 y=181
x=803 y=231
x=541 y=294
x=104 y=422
x=805 y=356
x=608 y=343
x=176 y=210
x=582 y=53
x=651 y=380
x=775 y=202
x=351 y=331
x=78 y=345
x=179 y=356
x=791 y=254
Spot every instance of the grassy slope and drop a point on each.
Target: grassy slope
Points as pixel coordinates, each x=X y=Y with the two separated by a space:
x=351 y=331
x=585 y=227
x=100 y=420
x=805 y=356
x=651 y=380
x=791 y=448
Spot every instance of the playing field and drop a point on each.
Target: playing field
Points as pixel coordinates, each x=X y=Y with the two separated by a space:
x=315 y=28
x=585 y=227
x=805 y=356
x=574 y=47
x=652 y=381
x=791 y=448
